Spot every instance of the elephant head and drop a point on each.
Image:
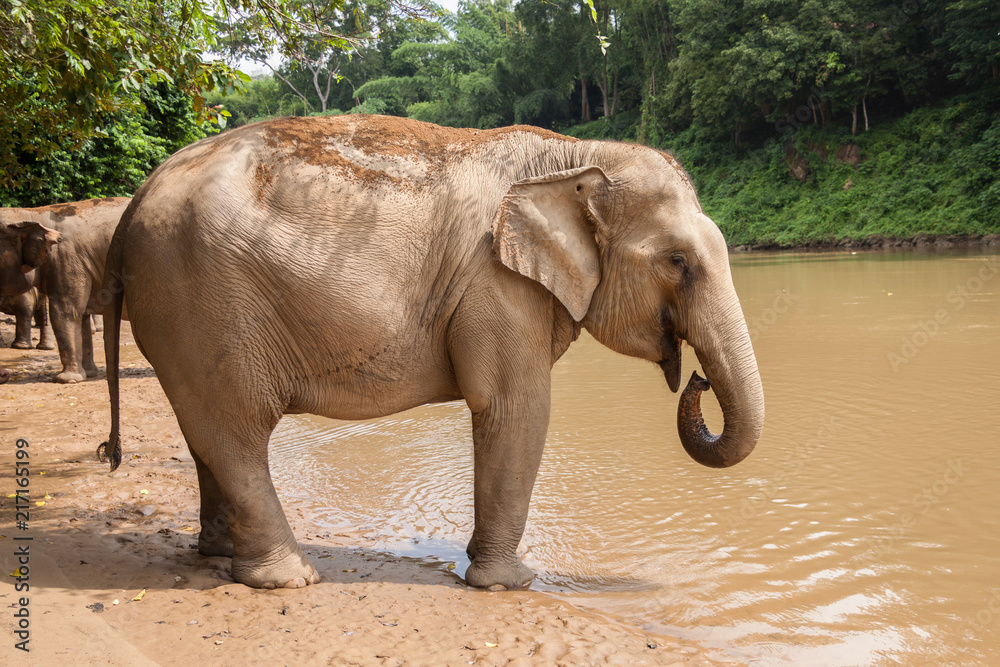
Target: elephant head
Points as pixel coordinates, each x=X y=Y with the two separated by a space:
x=624 y=244
x=24 y=246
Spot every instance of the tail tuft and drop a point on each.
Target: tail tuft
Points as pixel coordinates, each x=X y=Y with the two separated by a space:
x=105 y=453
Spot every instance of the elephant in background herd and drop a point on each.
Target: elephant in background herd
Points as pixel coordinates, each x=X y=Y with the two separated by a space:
x=357 y=266
x=24 y=307
x=58 y=253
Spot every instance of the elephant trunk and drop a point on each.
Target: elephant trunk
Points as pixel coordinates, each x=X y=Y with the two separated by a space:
x=729 y=362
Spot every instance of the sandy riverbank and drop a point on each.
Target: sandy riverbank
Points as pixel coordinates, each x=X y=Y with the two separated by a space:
x=103 y=537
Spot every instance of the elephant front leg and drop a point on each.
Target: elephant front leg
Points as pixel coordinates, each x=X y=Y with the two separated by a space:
x=509 y=437
x=21 y=306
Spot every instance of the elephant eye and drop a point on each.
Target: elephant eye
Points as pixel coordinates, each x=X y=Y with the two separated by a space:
x=677 y=259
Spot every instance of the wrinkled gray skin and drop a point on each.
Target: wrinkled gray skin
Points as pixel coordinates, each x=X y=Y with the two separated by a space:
x=23 y=307
x=61 y=251
x=357 y=266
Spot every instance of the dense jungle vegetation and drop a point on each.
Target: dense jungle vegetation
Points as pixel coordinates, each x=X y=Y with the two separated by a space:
x=800 y=121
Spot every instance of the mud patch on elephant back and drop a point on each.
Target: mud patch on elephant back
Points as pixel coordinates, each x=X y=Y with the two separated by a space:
x=364 y=146
x=62 y=211
x=411 y=139
x=314 y=141
x=263 y=179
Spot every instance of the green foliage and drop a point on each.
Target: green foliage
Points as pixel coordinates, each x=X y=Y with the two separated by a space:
x=264 y=97
x=72 y=66
x=727 y=84
x=116 y=161
x=934 y=171
x=970 y=34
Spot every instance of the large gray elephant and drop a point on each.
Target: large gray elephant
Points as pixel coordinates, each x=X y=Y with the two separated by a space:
x=357 y=266
x=60 y=250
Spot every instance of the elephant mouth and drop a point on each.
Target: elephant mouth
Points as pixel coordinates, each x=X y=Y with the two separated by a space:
x=670 y=346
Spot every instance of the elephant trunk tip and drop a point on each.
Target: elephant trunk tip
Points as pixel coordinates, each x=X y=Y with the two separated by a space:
x=705 y=447
x=699 y=384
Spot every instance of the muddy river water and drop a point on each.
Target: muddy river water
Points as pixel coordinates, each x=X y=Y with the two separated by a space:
x=864 y=529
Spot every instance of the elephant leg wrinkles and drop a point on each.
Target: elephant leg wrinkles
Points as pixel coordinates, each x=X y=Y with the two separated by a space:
x=241 y=515
x=507 y=386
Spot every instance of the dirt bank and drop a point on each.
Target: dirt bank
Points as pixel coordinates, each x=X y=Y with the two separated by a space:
x=877 y=242
x=101 y=540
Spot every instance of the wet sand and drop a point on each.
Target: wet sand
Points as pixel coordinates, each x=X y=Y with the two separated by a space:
x=100 y=539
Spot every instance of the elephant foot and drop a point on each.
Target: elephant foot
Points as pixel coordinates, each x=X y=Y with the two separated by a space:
x=218 y=544
x=498 y=576
x=291 y=571
x=471 y=550
x=4 y=375
x=45 y=345
x=92 y=371
x=21 y=345
x=68 y=377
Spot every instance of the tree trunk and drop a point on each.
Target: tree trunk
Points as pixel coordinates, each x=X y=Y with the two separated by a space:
x=603 y=85
x=301 y=96
x=614 y=99
x=584 y=102
x=864 y=107
x=854 y=120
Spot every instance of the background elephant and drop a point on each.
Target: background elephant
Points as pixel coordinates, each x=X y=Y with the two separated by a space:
x=61 y=251
x=356 y=266
x=23 y=307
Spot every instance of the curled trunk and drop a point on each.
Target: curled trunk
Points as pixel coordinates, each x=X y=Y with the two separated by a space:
x=729 y=362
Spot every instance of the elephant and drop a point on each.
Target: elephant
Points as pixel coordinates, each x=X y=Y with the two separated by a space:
x=357 y=266
x=23 y=307
x=60 y=250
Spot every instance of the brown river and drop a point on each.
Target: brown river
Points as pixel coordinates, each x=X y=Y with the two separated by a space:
x=863 y=530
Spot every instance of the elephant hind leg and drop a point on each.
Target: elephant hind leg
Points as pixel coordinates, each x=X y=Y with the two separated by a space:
x=241 y=514
x=214 y=538
x=87 y=336
x=46 y=338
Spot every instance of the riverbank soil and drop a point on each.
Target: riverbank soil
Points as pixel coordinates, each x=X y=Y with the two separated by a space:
x=115 y=578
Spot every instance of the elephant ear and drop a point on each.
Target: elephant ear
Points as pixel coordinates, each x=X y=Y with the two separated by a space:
x=544 y=231
x=36 y=241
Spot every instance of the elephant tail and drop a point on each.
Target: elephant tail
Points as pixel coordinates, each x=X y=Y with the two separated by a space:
x=112 y=297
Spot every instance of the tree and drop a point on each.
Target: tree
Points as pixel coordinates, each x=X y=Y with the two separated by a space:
x=311 y=67
x=970 y=35
x=70 y=65
x=116 y=160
